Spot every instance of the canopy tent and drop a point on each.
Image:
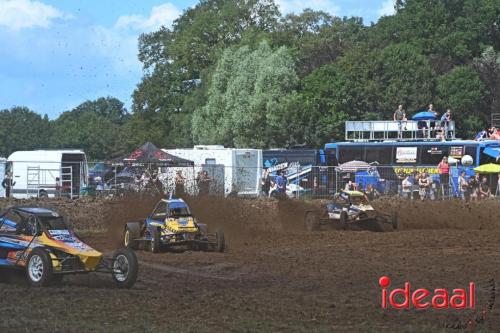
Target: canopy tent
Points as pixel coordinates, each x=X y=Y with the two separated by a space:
x=148 y=153
x=490 y=168
x=354 y=166
x=492 y=152
x=424 y=115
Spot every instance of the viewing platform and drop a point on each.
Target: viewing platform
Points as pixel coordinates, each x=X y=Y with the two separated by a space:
x=411 y=130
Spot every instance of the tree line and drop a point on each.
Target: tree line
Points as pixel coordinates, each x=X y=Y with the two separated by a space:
x=239 y=73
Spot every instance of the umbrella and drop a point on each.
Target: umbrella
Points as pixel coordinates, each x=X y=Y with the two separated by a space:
x=354 y=166
x=424 y=115
x=488 y=168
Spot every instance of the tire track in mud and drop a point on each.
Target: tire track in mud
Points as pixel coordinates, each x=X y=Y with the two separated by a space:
x=182 y=271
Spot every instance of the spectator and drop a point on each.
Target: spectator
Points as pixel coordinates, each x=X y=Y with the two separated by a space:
x=407 y=187
x=432 y=123
x=265 y=182
x=474 y=187
x=203 y=181
x=445 y=120
x=59 y=186
x=99 y=188
x=371 y=193
x=432 y=187
x=280 y=181
x=350 y=186
x=400 y=117
x=498 y=186
x=495 y=135
x=422 y=125
x=484 y=188
x=424 y=185
x=179 y=184
x=463 y=186
x=444 y=173
x=8 y=183
x=483 y=135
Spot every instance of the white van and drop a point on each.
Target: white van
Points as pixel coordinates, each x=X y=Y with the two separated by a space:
x=48 y=173
x=234 y=171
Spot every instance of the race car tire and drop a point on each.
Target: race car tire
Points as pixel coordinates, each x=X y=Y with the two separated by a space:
x=221 y=242
x=343 y=220
x=39 y=268
x=312 y=221
x=132 y=231
x=125 y=267
x=154 y=245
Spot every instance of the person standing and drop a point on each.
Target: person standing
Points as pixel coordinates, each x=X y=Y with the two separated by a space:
x=204 y=183
x=463 y=186
x=265 y=182
x=8 y=183
x=400 y=117
x=179 y=184
x=407 y=187
x=445 y=121
x=432 y=123
x=484 y=189
x=423 y=183
x=280 y=181
x=444 y=175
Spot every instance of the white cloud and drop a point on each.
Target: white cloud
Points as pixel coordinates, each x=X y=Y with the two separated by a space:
x=19 y=14
x=297 y=6
x=387 y=8
x=164 y=14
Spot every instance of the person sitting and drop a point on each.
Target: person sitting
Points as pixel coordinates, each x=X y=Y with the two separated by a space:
x=422 y=125
x=484 y=189
x=483 y=135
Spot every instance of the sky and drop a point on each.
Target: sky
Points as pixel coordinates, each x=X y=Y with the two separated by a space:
x=56 y=54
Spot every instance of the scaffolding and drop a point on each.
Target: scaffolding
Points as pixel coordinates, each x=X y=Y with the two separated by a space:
x=409 y=130
x=44 y=180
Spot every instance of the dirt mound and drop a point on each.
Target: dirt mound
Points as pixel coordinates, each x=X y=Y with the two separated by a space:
x=453 y=214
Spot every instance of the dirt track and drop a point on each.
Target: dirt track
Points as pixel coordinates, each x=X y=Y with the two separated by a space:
x=274 y=275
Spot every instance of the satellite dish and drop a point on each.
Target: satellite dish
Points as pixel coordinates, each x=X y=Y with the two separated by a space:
x=467 y=160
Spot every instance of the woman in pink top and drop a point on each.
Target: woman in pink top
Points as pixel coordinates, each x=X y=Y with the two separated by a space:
x=444 y=171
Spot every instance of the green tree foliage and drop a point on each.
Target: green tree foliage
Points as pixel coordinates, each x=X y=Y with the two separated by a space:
x=463 y=91
x=94 y=126
x=22 y=129
x=247 y=99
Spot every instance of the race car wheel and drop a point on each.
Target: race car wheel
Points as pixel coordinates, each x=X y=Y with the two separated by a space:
x=39 y=268
x=154 y=245
x=128 y=240
x=125 y=267
x=343 y=220
x=221 y=242
x=312 y=221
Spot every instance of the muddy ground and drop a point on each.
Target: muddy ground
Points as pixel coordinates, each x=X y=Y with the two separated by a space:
x=274 y=276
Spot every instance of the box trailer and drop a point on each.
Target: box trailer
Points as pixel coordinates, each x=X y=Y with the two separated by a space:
x=3 y=162
x=233 y=171
x=48 y=173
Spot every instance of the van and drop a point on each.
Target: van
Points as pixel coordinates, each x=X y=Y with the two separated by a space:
x=48 y=173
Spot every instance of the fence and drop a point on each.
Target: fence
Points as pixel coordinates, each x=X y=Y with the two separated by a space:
x=219 y=180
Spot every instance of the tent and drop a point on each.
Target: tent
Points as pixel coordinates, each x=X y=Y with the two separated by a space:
x=490 y=168
x=148 y=153
x=424 y=115
x=354 y=166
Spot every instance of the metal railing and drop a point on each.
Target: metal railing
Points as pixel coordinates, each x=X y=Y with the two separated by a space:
x=408 y=130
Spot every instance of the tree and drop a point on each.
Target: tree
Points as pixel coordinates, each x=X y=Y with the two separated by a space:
x=463 y=91
x=247 y=99
x=22 y=129
x=94 y=126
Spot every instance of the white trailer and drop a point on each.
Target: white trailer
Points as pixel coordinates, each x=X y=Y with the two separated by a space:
x=235 y=171
x=3 y=162
x=48 y=173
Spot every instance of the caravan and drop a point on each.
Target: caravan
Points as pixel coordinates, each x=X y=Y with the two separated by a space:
x=233 y=171
x=48 y=173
